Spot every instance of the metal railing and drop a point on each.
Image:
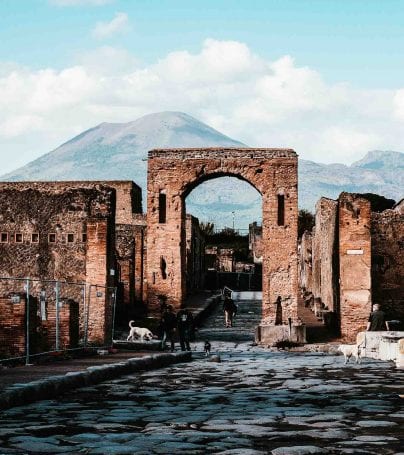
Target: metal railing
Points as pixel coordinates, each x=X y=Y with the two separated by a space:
x=50 y=316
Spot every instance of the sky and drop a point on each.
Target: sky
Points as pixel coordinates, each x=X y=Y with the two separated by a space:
x=323 y=77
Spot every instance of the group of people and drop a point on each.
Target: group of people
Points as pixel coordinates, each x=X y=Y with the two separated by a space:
x=181 y=323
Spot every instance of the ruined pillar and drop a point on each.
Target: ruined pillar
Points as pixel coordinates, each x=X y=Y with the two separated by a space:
x=355 y=264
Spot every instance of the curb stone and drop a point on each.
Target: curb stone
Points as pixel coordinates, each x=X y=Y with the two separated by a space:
x=51 y=387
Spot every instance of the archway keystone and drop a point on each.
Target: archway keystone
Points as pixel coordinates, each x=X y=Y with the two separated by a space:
x=173 y=173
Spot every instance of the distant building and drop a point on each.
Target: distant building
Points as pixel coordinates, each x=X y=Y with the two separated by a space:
x=255 y=244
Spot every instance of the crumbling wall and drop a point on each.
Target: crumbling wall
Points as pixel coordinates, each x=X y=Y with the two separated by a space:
x=59 y=233
x=355 y=264
x=195 y=254
x=130 y=225
x=305 y=262
x=324 y=253
x=388 y=262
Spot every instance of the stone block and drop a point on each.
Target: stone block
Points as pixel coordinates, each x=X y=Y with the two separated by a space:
x=270 y=334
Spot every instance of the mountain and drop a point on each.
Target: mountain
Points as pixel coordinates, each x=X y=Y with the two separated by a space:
x=380 y=172
x=119 y=151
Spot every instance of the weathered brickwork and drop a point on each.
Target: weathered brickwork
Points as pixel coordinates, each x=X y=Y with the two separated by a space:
x=195 y=255
x=355 y=264
x=174 y=173
x=335 y=263
x=58 y=232
x=388 y=261
x=306 y=262
x=325 y=250
x=12 y=326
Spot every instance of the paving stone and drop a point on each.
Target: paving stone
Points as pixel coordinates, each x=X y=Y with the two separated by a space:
x=375 y=423
x=373 y=438
x=297 y=450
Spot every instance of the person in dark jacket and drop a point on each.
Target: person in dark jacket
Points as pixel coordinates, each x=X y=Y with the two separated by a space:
x=230 y=311
x=377 y=320
x=185 y=326
x=168 y=325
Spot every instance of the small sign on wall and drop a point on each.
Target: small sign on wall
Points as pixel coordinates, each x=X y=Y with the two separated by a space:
x=354 y=252
x=15 y=298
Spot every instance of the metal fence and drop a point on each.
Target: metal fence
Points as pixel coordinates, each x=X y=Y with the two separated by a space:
x=48 y=316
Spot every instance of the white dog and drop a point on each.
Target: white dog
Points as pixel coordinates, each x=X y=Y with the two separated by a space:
x=139 y=332
x=353 y=350
x=350 y=350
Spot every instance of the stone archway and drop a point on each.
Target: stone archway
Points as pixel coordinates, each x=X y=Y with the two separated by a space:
x=174 y=173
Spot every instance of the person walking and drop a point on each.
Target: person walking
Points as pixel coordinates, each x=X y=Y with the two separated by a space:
x=185 y=326
x=168 y=325
x=377 y=320
x=230 y=311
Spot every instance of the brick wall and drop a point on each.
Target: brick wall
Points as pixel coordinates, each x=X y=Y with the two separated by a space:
x=355 y=264
x=388 y=262
x=305 y=262
x=82 y=247
x=325 y=250
x=195 y=255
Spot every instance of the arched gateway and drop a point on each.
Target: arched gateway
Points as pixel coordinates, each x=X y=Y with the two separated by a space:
x=174 y=173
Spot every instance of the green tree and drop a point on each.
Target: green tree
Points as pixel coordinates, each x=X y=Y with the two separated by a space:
x=207 y=228
x=305 y=222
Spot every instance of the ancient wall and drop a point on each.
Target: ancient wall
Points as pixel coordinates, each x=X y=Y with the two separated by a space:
x=305 y=263
x=355 y=264
x=12 y=326
x=128 y=194
x=58 y=233
x=324 y=245
x=41 y=231
x=195 y=255
x=140 y=232
x=174 y=173
x=388 y=261
x=130 y=238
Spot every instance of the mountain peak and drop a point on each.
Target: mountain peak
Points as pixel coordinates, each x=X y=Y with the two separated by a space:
x=379 y=159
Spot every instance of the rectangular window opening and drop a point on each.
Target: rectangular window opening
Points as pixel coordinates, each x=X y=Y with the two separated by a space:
x=70 y=238
x=84 y=237
x=281 y=210
x=34 y=237
x=162 y=208
x=52 y=238
x=4 y=237
x=18 y=237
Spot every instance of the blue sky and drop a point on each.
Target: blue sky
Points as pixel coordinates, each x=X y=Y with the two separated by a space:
x=59 y=59
x=346 y=40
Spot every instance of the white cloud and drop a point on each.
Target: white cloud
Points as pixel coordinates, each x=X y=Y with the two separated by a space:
x=79 y=2
x=260 y=102
x=106 y=29
x=399 y=105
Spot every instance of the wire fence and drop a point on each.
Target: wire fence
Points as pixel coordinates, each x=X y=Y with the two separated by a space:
x=48 y=316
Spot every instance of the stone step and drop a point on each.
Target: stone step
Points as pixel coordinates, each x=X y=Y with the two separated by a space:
x=248 y=317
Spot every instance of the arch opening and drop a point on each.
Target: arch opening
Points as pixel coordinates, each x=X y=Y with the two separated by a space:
x=223 y=235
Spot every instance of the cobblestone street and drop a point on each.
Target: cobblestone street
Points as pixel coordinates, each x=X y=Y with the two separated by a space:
x=252 y=402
